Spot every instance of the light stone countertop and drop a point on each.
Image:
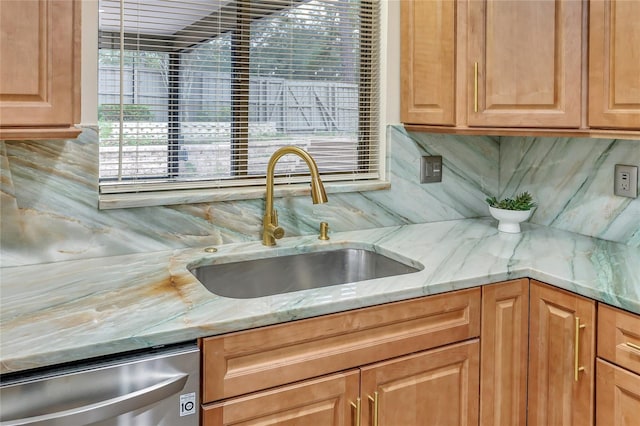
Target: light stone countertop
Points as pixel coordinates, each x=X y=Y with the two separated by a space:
x=67 y=311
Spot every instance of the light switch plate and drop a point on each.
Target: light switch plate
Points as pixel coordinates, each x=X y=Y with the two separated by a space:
x=431 y=169
x=625 y=182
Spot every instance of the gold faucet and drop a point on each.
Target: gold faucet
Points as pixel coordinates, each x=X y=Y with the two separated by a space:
x=270 y=229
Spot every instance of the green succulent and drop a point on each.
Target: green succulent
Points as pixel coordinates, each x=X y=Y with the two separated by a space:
x=522 y=201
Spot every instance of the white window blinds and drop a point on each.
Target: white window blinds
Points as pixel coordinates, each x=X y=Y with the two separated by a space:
x=200 y=93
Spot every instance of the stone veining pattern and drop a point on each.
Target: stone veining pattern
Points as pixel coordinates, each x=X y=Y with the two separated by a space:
x=573 y=180
x=106 y=305
x=50 y=199
x=97 y=282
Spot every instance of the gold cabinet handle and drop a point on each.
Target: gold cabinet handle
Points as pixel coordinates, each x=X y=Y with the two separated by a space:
x=576 y=350
x=633 y=346
x=374 y=401
x=356 y=407
x=475 y=87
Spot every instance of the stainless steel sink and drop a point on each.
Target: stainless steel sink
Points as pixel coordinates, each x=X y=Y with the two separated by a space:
x=283 y=274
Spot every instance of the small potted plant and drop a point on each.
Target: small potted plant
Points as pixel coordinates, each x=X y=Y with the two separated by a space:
x=511 y=211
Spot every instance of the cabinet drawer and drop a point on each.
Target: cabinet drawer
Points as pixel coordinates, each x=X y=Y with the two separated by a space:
x=617 y=395
x=619 y=337
x=257 y=359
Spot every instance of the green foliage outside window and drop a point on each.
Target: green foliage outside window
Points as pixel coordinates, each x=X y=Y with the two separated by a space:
x=131 y=112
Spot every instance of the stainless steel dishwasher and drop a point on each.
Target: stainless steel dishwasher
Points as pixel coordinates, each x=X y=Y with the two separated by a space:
x=149 y=388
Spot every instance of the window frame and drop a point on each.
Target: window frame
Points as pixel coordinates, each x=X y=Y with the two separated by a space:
x=203 y=191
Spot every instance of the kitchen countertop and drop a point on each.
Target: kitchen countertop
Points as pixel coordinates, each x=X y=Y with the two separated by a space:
x=67 y=311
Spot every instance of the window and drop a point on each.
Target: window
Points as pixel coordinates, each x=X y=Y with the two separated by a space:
x=200 y=93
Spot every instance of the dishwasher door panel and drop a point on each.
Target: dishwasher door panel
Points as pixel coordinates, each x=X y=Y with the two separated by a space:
x=158 y=388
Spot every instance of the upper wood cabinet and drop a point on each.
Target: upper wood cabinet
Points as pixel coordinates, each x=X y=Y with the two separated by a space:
x=40 y=68
x=428 y=91
x=614 y=64
x=524 y=63
x=511 y=67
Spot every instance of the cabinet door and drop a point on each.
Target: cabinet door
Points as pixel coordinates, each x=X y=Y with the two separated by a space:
x=262 y=358
x=618 y=395
x=39 y=70
x=614 y=64
x=437 y=387
x=325 y=401
x=504 y=353
x=428 y=33
x=529 y=63
x=562 y=340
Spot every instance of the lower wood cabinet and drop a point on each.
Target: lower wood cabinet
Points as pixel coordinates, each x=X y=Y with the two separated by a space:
x=504 y=345
x=323 y=401
x=618 y=368
x=436 y=387
x=538 y=351
x=561 y=357
x=418 y=360
x=515 y=353
x=617 y=395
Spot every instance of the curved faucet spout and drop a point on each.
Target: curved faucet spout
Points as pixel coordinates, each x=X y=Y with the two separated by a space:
x=270 y=229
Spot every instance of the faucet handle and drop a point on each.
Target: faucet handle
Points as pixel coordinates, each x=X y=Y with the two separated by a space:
x=271 y=234
x=277 y=232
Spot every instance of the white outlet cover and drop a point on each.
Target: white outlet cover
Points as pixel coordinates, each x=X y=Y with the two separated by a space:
x=625 y=182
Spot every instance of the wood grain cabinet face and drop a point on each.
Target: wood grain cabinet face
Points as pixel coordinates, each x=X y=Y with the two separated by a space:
x=619 y=337
x=252 y=360
x=617 y=395
x=617 y=367
x=529 y=63
x=40 y=68
x=288 y=374
x=528 y=352
x=504 y=352
x=437 y=387
x=324 y=401
x=559 y=320
x=428 y=92
x=614 y=64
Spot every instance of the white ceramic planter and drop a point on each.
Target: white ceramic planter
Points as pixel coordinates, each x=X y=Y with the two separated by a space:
x=509 y=220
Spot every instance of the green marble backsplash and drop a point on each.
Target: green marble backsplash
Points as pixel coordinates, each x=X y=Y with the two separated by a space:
x=49 y=196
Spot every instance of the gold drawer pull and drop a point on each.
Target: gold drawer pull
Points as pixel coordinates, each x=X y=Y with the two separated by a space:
x=475 y=87
x=374 y=401
x=356 y=407
x=576 y=350
x=633 y=346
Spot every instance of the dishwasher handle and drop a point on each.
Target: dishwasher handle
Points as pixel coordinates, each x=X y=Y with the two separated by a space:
x=109 y=408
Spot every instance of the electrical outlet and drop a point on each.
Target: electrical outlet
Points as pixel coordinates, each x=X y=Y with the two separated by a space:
x=431 y=169
x=625 y=182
